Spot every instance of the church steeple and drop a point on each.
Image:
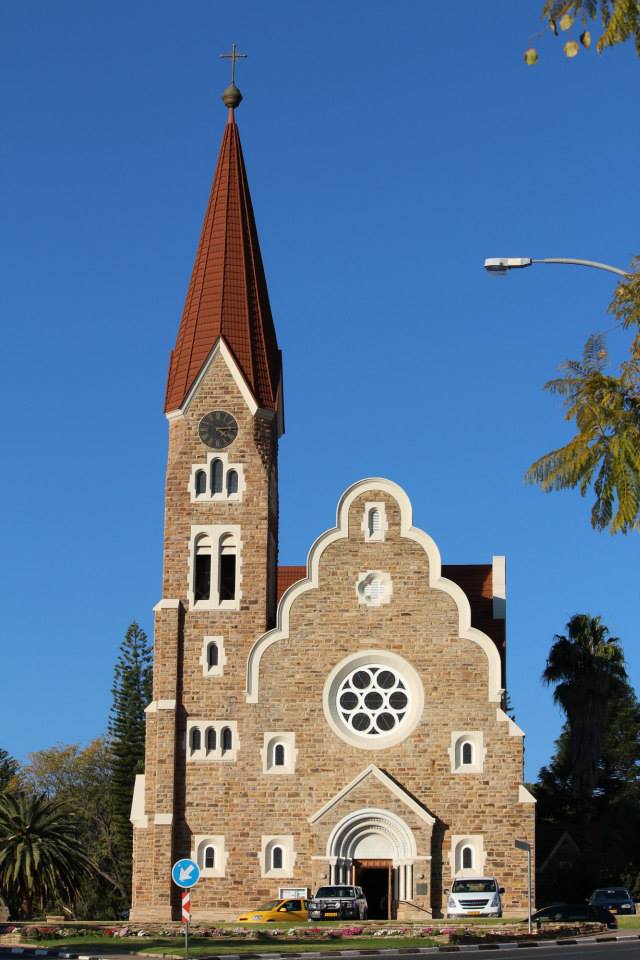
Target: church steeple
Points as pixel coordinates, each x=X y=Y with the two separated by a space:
x=227 y=295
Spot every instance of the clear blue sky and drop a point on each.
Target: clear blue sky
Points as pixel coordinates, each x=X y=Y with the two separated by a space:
x=390 y=149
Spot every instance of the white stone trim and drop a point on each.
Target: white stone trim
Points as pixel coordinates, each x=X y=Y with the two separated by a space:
x=458 y=843
x=166 y=604
x=138 y=817
x=524 y=796
x=378 y=536
x=271 y=740
x=285 y=841
x=215 y=532
x=373 y=771
x=458 y=739
x=436 y=582
x=163 y=819
x=200 y=842
x=355 y=826
x=380 y=577
x=212 y=756
x=512 y=727
x=415 y=693
x=222 y=496
x=218 y=670
x=220 y=349
x=499 y=584
x=156 y=705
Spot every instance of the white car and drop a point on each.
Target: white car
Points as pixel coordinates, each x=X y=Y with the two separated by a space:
x=475 y=897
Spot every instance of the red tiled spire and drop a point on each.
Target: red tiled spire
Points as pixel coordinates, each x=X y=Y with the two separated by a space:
x=227 y=295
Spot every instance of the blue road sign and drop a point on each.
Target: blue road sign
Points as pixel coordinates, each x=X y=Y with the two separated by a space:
x=185 y=873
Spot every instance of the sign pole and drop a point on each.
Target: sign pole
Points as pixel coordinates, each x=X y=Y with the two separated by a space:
x=523 y=845
x=185 y=874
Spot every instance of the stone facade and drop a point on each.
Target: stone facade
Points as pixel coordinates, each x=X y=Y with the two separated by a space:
x=410 y=809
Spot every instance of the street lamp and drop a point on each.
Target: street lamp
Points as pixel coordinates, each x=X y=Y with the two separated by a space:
x=498 y=266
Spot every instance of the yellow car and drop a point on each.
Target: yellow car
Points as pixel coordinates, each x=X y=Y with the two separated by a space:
x=277 y=910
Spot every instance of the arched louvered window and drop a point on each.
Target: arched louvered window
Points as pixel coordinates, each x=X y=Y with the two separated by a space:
x=278 y=755
x=374 y=521
x=195 y=740
x=216 y=476
x=467 y=858
x=213 y=655
x=227 y=567
x=201 y=483
x=277 y=858
x=227 y=740
x=232 y=482
x=467 y=753
x=209 y=858
x=210 y=741
x=202 y=575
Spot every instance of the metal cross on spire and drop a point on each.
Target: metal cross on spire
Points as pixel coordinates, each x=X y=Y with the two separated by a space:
x=233 y=56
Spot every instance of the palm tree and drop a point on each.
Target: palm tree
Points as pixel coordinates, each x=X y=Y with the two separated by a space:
x=41 y=857
x=587 y=667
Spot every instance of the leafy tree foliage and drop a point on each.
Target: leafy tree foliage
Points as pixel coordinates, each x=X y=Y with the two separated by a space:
x=82 y=779
x=587 y=668
x=132 y=691
x=41 y=854
x=605 y=451
x=8 y=769
x=591 y=787
x=620 y=22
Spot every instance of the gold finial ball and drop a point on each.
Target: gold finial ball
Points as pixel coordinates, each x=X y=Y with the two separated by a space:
x=231 y=97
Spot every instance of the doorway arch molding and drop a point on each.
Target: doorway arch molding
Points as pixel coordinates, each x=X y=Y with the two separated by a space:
x=370 y=825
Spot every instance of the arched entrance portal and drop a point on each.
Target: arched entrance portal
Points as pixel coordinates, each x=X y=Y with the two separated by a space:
x=374 y=849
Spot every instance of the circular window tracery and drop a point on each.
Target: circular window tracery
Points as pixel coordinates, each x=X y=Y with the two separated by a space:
x=373 y=700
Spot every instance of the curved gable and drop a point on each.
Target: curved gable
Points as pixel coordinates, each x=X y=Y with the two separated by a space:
x=436 y=582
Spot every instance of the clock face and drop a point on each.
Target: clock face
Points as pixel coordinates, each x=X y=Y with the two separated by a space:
x=218 y=429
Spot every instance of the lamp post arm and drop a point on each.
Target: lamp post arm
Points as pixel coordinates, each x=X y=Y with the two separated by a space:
x=584 y=263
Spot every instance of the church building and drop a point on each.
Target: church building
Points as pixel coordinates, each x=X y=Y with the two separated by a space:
x=337 y=722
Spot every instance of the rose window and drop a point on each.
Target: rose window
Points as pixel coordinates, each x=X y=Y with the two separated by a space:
x=372 y=700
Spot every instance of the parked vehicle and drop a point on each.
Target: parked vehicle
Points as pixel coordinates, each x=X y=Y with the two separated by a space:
x=474 y=897
x=616 y=899
x=290 y=909
x=341 y=901
x=575 y=913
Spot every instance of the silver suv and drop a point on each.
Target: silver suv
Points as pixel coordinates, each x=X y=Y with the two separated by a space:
x=340 y=901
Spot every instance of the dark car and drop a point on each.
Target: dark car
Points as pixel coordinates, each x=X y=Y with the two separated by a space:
x=616 y=899
x=575 y=913
x=341 y=901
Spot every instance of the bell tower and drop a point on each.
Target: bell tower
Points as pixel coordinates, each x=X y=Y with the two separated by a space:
x=225 y=413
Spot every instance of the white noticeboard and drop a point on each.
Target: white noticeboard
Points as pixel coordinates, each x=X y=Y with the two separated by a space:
x=286 y=892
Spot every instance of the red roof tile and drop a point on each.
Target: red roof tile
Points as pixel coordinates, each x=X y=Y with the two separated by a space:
x=286 y=576
x=227 y=295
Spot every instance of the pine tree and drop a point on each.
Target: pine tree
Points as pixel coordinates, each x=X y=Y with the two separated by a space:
x=8 y=769
x=132 y=685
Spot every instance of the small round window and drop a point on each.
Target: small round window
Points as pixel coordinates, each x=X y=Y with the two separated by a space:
x=373 y=700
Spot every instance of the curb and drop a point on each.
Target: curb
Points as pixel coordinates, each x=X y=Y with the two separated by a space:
x=389 y=951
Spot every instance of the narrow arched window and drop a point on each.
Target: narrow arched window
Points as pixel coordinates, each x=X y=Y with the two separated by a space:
x=227 y=568
x=232 y=482
x=374 y=521
x=195 y=740
x=467 y=753
x=276 y=858
x=202 y=574
x=210 y=741
x=467 y=858
x=216 y=476
x=201 y=483
x=209 y=858
x=227 y=740
x=278 y=755
x=212 y=655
